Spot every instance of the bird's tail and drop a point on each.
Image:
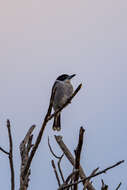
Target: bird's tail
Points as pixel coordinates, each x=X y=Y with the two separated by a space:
x=57 y=123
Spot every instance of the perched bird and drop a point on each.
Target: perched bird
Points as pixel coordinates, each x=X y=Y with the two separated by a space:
x=64 y=90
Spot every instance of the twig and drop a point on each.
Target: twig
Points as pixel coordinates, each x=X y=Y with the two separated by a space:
x=59 y=167
x=91 y=176
x=119 y=186
x=56 y=174
x=71 y=181
x=93 y=172
x=47 y=118
x=11 y=156
x=104 y=186
x=71 y=176
x=58 y=157
x=71 y=159
x=77 y=156
x=4 y=151
x=38 y=140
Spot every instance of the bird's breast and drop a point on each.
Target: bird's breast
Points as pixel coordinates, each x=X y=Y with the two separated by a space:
x=63 y=92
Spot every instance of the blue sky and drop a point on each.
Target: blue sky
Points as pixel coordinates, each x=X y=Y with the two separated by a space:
x=39 y=40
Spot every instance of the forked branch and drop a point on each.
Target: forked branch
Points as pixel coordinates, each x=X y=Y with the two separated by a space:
x=10 y=155
x=47 y=118
x=91 y=176
x=71 y=159
x=25 y=148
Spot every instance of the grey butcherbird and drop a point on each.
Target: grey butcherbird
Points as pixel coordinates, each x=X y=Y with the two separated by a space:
x=64 y=90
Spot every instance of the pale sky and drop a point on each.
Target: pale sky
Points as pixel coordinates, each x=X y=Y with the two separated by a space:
x=39 y=40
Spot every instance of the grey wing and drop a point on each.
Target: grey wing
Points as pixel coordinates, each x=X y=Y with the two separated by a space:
x=69 y=90
x=59 y=94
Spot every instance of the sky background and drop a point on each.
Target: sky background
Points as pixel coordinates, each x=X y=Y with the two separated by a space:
x=40 y=40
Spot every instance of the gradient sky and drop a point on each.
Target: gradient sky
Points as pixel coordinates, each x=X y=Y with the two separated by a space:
x=39 y=40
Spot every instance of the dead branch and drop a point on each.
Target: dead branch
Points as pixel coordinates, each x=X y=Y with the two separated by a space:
x=47 y=118
x=59 y=160
x=25 y=148
x=4 y=151
x=119 y=186
x=38 y=140
x=60 y=170
x=11 y=156
x=104 y=186
x=93 y=172
x=51 y=150
x=71 y=176
x=91 y=176
x=72 y=160
x=77 y=155
x=56 y=174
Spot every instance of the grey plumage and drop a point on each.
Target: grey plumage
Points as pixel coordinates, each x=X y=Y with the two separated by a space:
x=64 y=90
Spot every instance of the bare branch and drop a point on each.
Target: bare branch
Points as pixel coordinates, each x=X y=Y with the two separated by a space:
x=56 y=174
x=4 y=151
x=119 y=186
x=93 y=172
x=72 y=161
x=58 y=157
x=104 y=186
x=77 y=156
x=27 y=137
x=29 y=144
x=47 y=118
x=11 y=156
x=91 y=176
x=25 y=148
x=71 y=176
x=59 y=167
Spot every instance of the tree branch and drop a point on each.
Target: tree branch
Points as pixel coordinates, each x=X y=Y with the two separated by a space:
x=77 y=156
x=25 y=148
x=91 y=176
x=50 y=148
x=104 y=186
x=56 y=174
x=71 y=176
x=59 y=167
x=47 y=118
x=72 y=161
x=11 y=156
x=93 y=172
x=4 y=151
x=119 y=186
x=59 y=159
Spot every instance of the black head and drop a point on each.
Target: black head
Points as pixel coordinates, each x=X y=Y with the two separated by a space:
x=65 y=77
x=62 y=77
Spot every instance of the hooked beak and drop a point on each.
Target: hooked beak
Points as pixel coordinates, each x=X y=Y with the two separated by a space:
x=71 y=76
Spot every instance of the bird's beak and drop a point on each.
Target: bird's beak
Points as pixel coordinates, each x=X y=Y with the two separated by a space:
x=71 y=76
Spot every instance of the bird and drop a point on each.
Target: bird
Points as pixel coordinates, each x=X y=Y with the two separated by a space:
x=63 y=90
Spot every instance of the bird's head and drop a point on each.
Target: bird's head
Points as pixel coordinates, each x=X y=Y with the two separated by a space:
x=65 y=77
